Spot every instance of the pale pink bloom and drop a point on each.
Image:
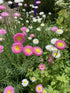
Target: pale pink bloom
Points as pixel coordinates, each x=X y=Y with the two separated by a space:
x=60 y=44
x=0 y=17
x=23 y=29
x=2 y=32
x=16 y=14
x=24 y=33
x=1 y=48
x=2 y=7
x=19 y=38
x=17 y=48
x=39 y=88
x=42 y=67
x=9 y=89
x=38 y=2
x=5 y=14
x=54 y=29
x=42 y=59
x=25 y=5
x=28 y=50
x=37 y=51
x=22 y=24
x=32 y=35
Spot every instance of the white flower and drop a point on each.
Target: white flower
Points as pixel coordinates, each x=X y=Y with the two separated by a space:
x=35 y=41
x=9 y=2
x=41 y=13
x=20 y=4
x=34 y=20
x=30 y=27
x=44 y=16
x=21 y=0
x=55 y=49
x=27 y=21
x=39 y=20
x=38 y=29
x=33 y=79
x=59 y=31
x=49 y=47
x=31 y=5
x=42 y=24
x=25 y=82
x=17 y=1
x=56 y=54
x=23 y=10
x=29 y=38
x=49 y=13
x=1 y=1
x=54 y=40
x=44 y=91
x=27 y=30
x=36 y=7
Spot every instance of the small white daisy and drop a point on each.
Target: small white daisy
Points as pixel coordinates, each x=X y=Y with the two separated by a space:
x=39 y=20
x=20 y=4
x=33 y=79
x=35 y=41
x=54 y=40
x=44 y=16
x=34 y=20
x=55 y=49
x=25 y=82
x=9 y=2
x=49 y=47
x=42 y=24
x=27 y=30
x=29 y=38
x=41 y=13
x=30 y=27
x=59 y=31
x=27 y=21
x=56 y=54
x=38 y=29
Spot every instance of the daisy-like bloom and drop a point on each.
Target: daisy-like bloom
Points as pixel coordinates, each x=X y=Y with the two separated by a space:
x=44 y=91
x=30 y=27
x=9 y=89
x=42 y=59
x=60 y=44
x=33 y=79
x=49 y=47
x=38 y=29
x=42 y=67
x=0 y=17
x=37 y=51
x=2 y=7
x=10 y=2
x=1 y=39
x=5 y=14
x=49 y=13
x=39 y=88
x=27 y=21
x=34 y=20
x=20 y=4
x=1 y=48
x=2 y=32
x=35 y=41
x=42 y=24
x=59 y=31
x=39 y=20
x=56 y=54
x=32 y=35
x=55 y=49
x=23 y=29
x=17 y=48
x=41 y=13
x=28 y=50
x=54 y=40
x=27 y=30
x=25 y=82
x=19 y=38
x=44 y=16
x=38 y=2
x=16 y=14
x=29 y=38
x=54 y=29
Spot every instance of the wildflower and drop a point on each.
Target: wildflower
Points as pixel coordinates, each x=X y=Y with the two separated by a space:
x=37 y=51
x=30 y=27
x=2 y=7
x=54 y=29
x=9 y=89
x=27 y=30
x=1 y=39
x=59 y=31
x=49 y=13
x=56 y=54
x=34 y=20
x=39 y=88
x=35 y=41
x=49 y=47
x=17 y=48
x=41 y=13
x=27 y=21
x=1 y=48
x=29 y=38
x=38 y=2
x=42 y=59
x=23 y=29
x=42 y=67
x=5 y=14
x=60 y=44
x=42 y=24
x=32 y=35
x=2 y=32
x=33 y=79
x=28 y=50
x=25 y=82
x=54 y=40
x=20 y=4
x=0 y=17
x=24 y=33
x=19 y=37
x=10 y=2
x=44 y=91
x=16 y=14
x=38 y=29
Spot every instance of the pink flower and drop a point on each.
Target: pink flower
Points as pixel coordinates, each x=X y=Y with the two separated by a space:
x=38 y=2
x=0 y=17
x=37 y=51
x=28 y=50
x=23 y=29
x=16 y=14
x=4 y=14
x=42 y=67
x=9 y=89
x=2 y=31
x=60 y=44
x=42 y=59
x=54 y=29
x=2 y=7
x=19 y=38
x=24 y=33
x=39 y=88
x=25 y=5
x=32 y=35
x=1 y=48
x=17 y=48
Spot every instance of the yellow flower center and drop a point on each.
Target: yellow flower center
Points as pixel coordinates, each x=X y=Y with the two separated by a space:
x=19 y=38
x=44 y=91
x=56 y=54
x=39 y=88
x=38 y=50
x=25 y=82
x=28 y=50
x=9 y=91
x=0 y=38
x=35 y=40
x=33 y=78
x=59 y=31
x=60 y=44
x=50 y=47
x=17 y=47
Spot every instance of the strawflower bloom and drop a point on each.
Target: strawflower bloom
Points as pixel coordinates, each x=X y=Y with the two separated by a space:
x=29 y=38
x=42 y=59
x=56 y=54
x=32 y=35
x=25 y=82
x=49 y=47
x=33 y=79
x=28 y=50
x=39 y=88
x=17 y=48
x=9 y=89
x=25 y=5
x=35 y=41
x=37 y=51
x=54 y=40
x=16 y=14
x=42 y=67
x=38 y=2
x=2 y=32
x=54 y=29
x=0 y=17
x=2 y=7
x=59 y=31
x=44 y=91
x=19 y=37
x=60 y=44
x=1 y=48
x=23 y=28
x=5 y=14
